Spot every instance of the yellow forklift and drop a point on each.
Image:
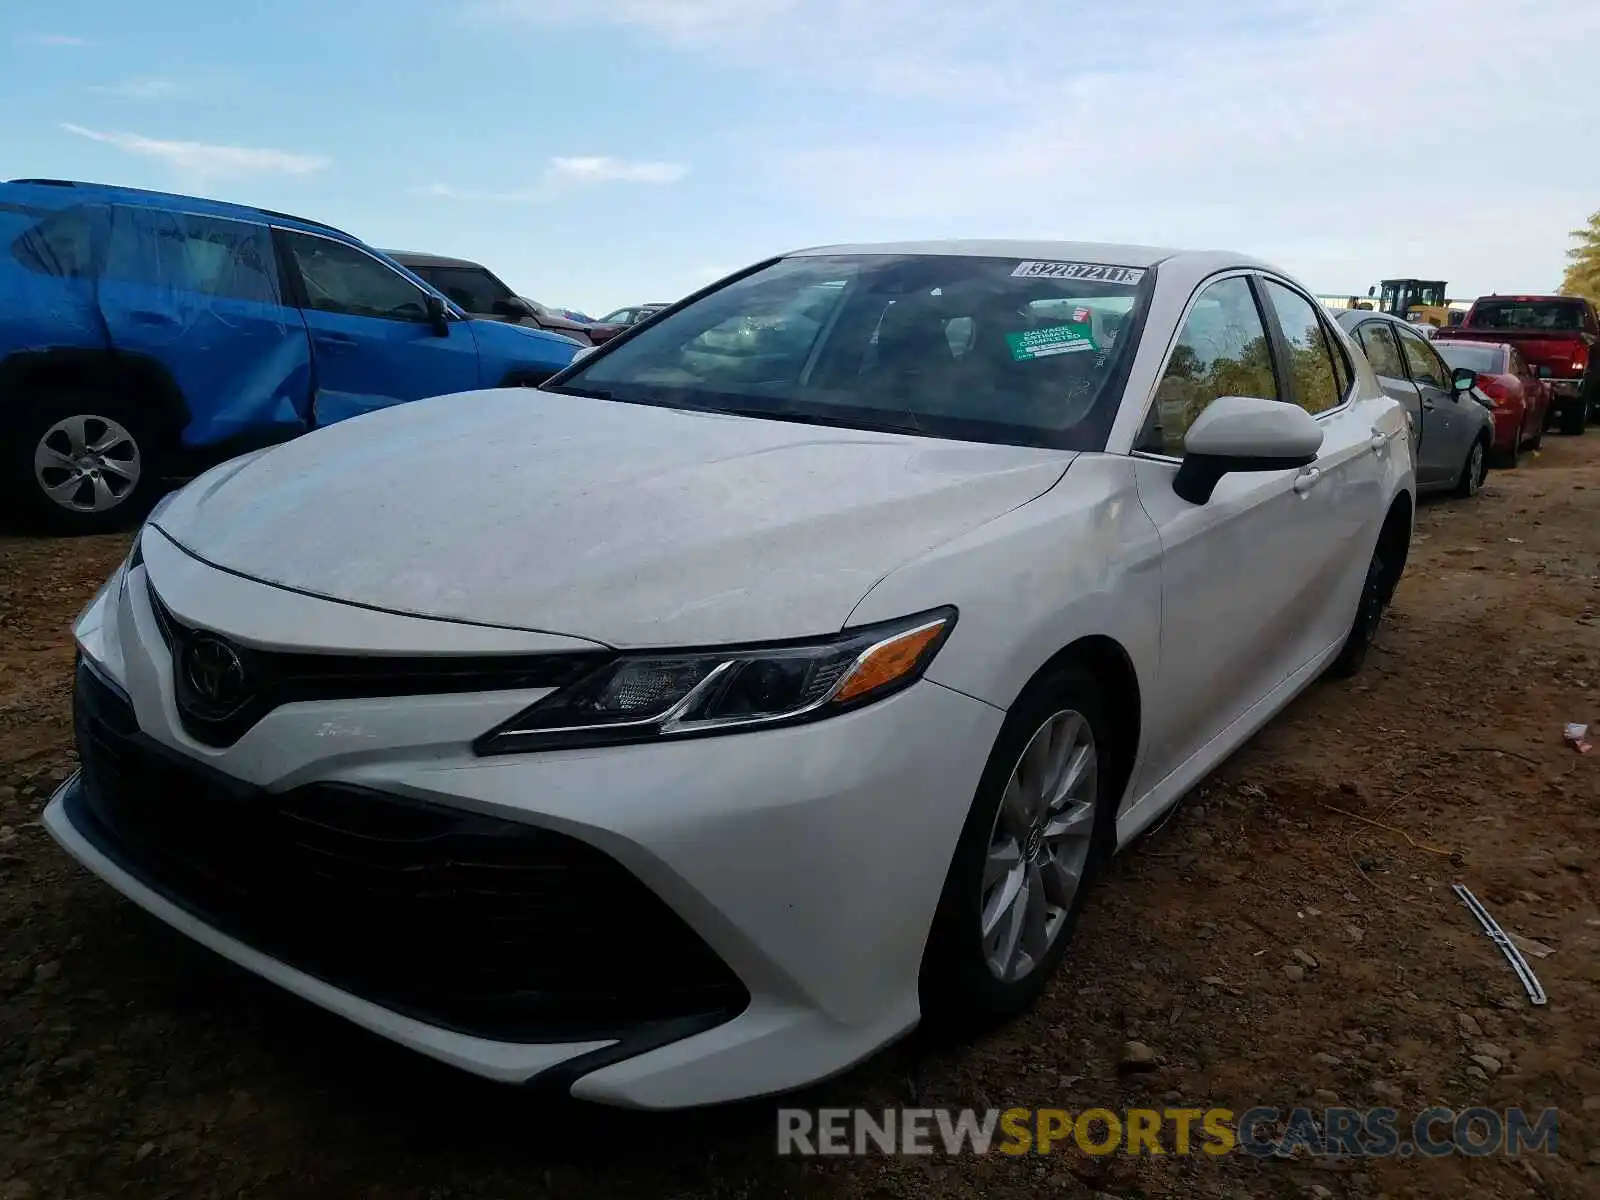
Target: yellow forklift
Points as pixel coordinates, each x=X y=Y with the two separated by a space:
x=1420 y=301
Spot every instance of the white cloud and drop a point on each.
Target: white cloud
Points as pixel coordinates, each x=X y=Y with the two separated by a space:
x=616 y=170
x=49 y=39
x=139 y=89
x=202 y=159
x=561 y=175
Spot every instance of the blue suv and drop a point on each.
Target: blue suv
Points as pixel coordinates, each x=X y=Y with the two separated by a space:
x=145 y=335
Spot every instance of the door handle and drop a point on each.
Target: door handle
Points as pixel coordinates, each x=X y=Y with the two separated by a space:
x=1306 y=480
x=145 y=317
x=336 y=339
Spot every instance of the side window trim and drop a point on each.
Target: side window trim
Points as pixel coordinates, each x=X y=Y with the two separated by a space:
x=1172 y=345
x=280 y=234
x=1280 y=343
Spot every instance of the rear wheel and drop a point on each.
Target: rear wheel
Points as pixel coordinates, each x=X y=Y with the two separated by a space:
x=81 y=462
x=1032 y=842
x=1576 y=417
x=1474 y=470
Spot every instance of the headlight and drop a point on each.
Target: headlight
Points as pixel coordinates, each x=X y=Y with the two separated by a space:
x=642 y=697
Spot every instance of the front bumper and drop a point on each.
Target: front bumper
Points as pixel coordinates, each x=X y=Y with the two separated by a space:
x=809 y=859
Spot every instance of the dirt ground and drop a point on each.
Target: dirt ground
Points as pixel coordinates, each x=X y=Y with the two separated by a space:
x=132 y=1063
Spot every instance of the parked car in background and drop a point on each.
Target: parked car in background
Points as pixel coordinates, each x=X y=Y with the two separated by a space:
x=1452 y=432
x=1558 y=337
x=144 y=335
x=481 y=293
x=743 y=699
x=1518 y=398
x=608 y=326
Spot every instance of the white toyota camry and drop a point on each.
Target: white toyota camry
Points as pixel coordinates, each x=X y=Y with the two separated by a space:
x=774 y=677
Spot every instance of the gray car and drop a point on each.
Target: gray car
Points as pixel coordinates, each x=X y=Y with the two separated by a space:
x=1451 y=432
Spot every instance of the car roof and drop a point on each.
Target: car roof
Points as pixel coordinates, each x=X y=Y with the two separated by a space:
x=1363 y=314
x=181 y=202
x=412 y=258
x=1109 y=253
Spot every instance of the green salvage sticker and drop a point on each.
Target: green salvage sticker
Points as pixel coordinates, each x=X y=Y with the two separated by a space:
x=1054 y=339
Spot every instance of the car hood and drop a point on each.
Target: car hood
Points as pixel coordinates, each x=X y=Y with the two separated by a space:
x=626 y=524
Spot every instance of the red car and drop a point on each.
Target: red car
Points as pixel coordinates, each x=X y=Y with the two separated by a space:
x=1556 y=334
x=1512 y=389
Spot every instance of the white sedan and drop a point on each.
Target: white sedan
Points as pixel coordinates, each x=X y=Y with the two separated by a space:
x=690 y=728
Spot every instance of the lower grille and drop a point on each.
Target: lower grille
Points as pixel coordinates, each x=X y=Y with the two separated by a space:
x=484 y=926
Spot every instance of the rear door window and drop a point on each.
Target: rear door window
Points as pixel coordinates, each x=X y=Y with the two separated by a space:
x=190 y=253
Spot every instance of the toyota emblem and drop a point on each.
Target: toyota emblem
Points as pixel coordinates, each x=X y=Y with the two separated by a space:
x=214 y=671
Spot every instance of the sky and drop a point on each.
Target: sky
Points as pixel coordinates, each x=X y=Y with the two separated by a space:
x=599 y=153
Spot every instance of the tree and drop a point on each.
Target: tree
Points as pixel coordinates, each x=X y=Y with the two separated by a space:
x=1583 y=276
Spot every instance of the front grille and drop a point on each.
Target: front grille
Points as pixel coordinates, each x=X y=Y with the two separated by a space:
x=484 y=926
x=268 y=679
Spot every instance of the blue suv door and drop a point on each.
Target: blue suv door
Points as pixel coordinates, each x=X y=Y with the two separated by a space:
x=202 y=296
x=373 y=340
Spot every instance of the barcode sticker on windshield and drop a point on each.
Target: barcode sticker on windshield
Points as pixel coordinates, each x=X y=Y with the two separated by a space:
x=1093 y=272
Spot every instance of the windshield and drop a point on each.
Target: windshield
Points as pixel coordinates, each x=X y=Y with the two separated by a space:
x=1528 y=314
x=1486 y=360
x=980 y=349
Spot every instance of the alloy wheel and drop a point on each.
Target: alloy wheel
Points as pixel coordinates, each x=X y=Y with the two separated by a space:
x=1475 y=469
x=86 y=463
x=1039 y=846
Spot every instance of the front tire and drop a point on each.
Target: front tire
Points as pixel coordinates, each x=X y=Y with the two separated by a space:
x=82 y=462
x=1034 y=839
x=1474 y=470
x=1383 y=577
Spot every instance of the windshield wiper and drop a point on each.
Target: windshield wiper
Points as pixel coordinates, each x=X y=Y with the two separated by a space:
x=801 y=417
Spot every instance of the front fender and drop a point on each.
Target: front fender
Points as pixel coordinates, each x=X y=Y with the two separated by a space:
x=1081 y=560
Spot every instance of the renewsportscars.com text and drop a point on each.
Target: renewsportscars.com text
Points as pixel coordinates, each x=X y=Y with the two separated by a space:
x=1262 y=1132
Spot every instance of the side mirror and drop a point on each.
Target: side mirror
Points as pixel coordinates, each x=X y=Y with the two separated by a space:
x=1244 y=433
x=439 y=316
x=1463 y=380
